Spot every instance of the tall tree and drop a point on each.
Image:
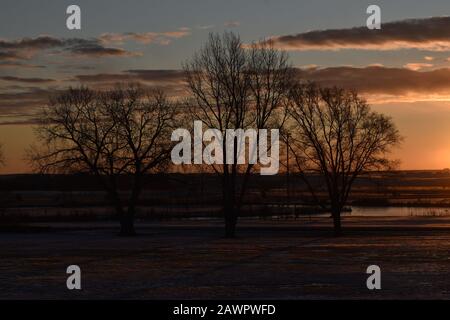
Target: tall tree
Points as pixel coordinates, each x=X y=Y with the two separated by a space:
x=334 y=133
x=234 y=87
x=122 y=131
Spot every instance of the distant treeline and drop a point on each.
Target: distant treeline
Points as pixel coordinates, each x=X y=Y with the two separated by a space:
x=87 y=182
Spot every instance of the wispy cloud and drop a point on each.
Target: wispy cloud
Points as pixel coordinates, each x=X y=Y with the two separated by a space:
x=170 y=80
x=26 y=80
x=417 y=65
x=12 y=64
x=98 y=51
x=24 y=103
x=25 y=48
x=232 y=24
x=427 y=34
x=156 y=76
x=206 y=27
x=162 y=38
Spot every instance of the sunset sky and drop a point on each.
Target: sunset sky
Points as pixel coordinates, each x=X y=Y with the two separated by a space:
x=403 y=69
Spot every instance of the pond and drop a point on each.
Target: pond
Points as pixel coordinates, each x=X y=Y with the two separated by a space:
x=399 y=211
x=360 y=211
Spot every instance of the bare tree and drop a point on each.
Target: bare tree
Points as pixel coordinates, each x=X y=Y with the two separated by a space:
x=334 y=133
x=232 y=87
x=123 y=131
x=271 y=76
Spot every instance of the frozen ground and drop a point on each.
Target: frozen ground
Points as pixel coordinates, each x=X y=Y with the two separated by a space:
x=190 y=260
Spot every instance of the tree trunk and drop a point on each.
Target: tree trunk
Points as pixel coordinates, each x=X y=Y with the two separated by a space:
x=229 y=206
x=127 y=224
x=230 y=216
x=127 y=218
x=230 y=222
x=336 y=213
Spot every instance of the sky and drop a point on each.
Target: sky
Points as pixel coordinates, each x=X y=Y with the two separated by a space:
x=402 y=69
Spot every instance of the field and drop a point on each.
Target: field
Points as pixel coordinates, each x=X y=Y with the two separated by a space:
x=188 y=260
x=50 y=222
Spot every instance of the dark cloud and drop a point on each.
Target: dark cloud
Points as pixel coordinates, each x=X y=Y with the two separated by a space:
x=47 y=42
x=15 y=64
x=158 y=75
x=377 y=83
x=383 y=81
x=96 y=50
x=20 y=120
x=41 y=42
x=103 y=77
x=26 y=80
x=24 y=103
x=429 y=33
x=69 y=68
x=155 y=76
x=9 y=55
x=172 y=81
x=23 y=48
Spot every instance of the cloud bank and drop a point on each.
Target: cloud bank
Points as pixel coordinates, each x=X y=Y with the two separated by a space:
x=385 y=84
x=426 y=34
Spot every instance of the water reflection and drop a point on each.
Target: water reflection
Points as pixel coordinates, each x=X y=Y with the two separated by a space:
x=399 y=211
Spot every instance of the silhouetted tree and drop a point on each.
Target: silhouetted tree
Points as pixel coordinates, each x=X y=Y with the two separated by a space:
x=233 y=87
x=334 y=133
x=122 y=131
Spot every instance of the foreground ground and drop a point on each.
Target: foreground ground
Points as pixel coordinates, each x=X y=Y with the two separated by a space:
x=296 y=259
